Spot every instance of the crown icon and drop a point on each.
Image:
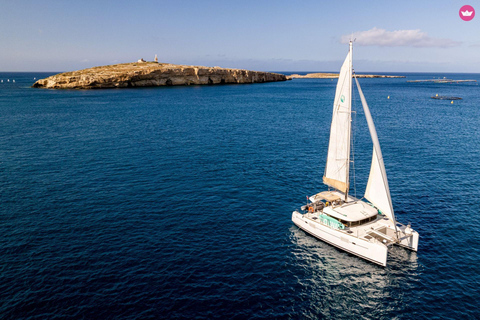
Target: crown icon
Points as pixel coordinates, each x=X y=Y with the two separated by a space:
x=466 y=13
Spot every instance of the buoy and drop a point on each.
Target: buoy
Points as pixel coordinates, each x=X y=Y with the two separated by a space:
x=451 y=102
x=436 y=95
x=13 y=80
x=388 y=97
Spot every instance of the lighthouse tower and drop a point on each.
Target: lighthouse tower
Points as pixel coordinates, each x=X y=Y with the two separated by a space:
x=156 y=59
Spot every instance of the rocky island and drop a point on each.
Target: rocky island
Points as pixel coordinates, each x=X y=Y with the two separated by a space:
x=323 y=75
x=152 y=74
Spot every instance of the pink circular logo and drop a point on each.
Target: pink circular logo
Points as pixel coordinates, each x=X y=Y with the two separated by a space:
x=466 y=13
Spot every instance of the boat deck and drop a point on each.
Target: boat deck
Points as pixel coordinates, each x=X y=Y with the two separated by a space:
x=379 y=230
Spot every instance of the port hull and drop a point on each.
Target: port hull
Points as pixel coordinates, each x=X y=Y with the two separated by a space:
x=373 y=252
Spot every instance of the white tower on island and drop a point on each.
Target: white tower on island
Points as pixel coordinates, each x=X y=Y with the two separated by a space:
x=156 y=59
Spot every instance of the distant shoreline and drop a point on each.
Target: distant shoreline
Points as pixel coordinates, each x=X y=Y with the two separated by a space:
x=325 y=75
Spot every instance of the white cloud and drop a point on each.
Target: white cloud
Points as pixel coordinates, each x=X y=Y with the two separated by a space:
x=398 y=38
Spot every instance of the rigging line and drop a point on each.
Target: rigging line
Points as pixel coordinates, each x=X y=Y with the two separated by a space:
x=353 y=143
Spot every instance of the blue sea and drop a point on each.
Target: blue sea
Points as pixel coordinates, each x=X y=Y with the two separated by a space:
x=176 y=202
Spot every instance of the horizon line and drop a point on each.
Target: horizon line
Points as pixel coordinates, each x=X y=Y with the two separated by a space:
x=283 y=71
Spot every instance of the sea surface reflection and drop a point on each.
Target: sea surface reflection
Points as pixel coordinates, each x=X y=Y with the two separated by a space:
x=338 y=284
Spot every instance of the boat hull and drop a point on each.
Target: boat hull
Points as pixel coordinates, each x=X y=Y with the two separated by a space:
x=410 y=242
x=373 y=252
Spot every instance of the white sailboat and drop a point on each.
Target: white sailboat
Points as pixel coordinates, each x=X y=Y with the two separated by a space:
x=365 y=229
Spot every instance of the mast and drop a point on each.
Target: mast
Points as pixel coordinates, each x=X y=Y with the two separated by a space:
x=350 y=119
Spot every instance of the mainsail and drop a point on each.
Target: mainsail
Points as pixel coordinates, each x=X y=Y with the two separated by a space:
x=338 y=159
x=377 y=191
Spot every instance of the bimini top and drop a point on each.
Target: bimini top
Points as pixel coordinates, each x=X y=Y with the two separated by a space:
x=326 y=195
x=353 y=211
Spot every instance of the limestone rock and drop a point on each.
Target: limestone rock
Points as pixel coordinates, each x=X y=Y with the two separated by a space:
x=151 y=74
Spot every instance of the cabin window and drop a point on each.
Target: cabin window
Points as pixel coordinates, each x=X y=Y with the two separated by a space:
x=353 y=223
x=360 y=222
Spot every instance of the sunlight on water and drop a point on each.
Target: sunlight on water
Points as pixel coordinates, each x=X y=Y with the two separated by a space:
x=336 y=283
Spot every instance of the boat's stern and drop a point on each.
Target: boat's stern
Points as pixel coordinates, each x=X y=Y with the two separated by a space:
x=408 y=238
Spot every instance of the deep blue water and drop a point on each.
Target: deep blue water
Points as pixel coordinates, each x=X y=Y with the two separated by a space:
x=176 y=202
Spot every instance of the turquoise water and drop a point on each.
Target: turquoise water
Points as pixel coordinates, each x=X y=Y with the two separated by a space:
x=176 y=202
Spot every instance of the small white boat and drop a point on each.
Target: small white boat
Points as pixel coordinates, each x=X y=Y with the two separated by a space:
x=365 y=229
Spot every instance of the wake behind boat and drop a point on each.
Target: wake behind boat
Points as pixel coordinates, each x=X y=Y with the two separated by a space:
x=365 y=229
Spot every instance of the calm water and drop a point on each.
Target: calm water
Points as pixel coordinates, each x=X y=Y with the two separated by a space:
x=176 y=202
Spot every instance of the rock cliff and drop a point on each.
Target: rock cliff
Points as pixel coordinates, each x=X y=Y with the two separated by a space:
x=151 y=74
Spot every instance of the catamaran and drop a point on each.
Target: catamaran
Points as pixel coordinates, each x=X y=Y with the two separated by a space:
x=367 y=229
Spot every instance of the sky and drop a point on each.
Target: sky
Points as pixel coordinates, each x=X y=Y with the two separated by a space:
x=391 y=36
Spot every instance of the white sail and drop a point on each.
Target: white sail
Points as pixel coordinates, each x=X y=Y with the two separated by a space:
x=377 y=191
x=338 y=159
